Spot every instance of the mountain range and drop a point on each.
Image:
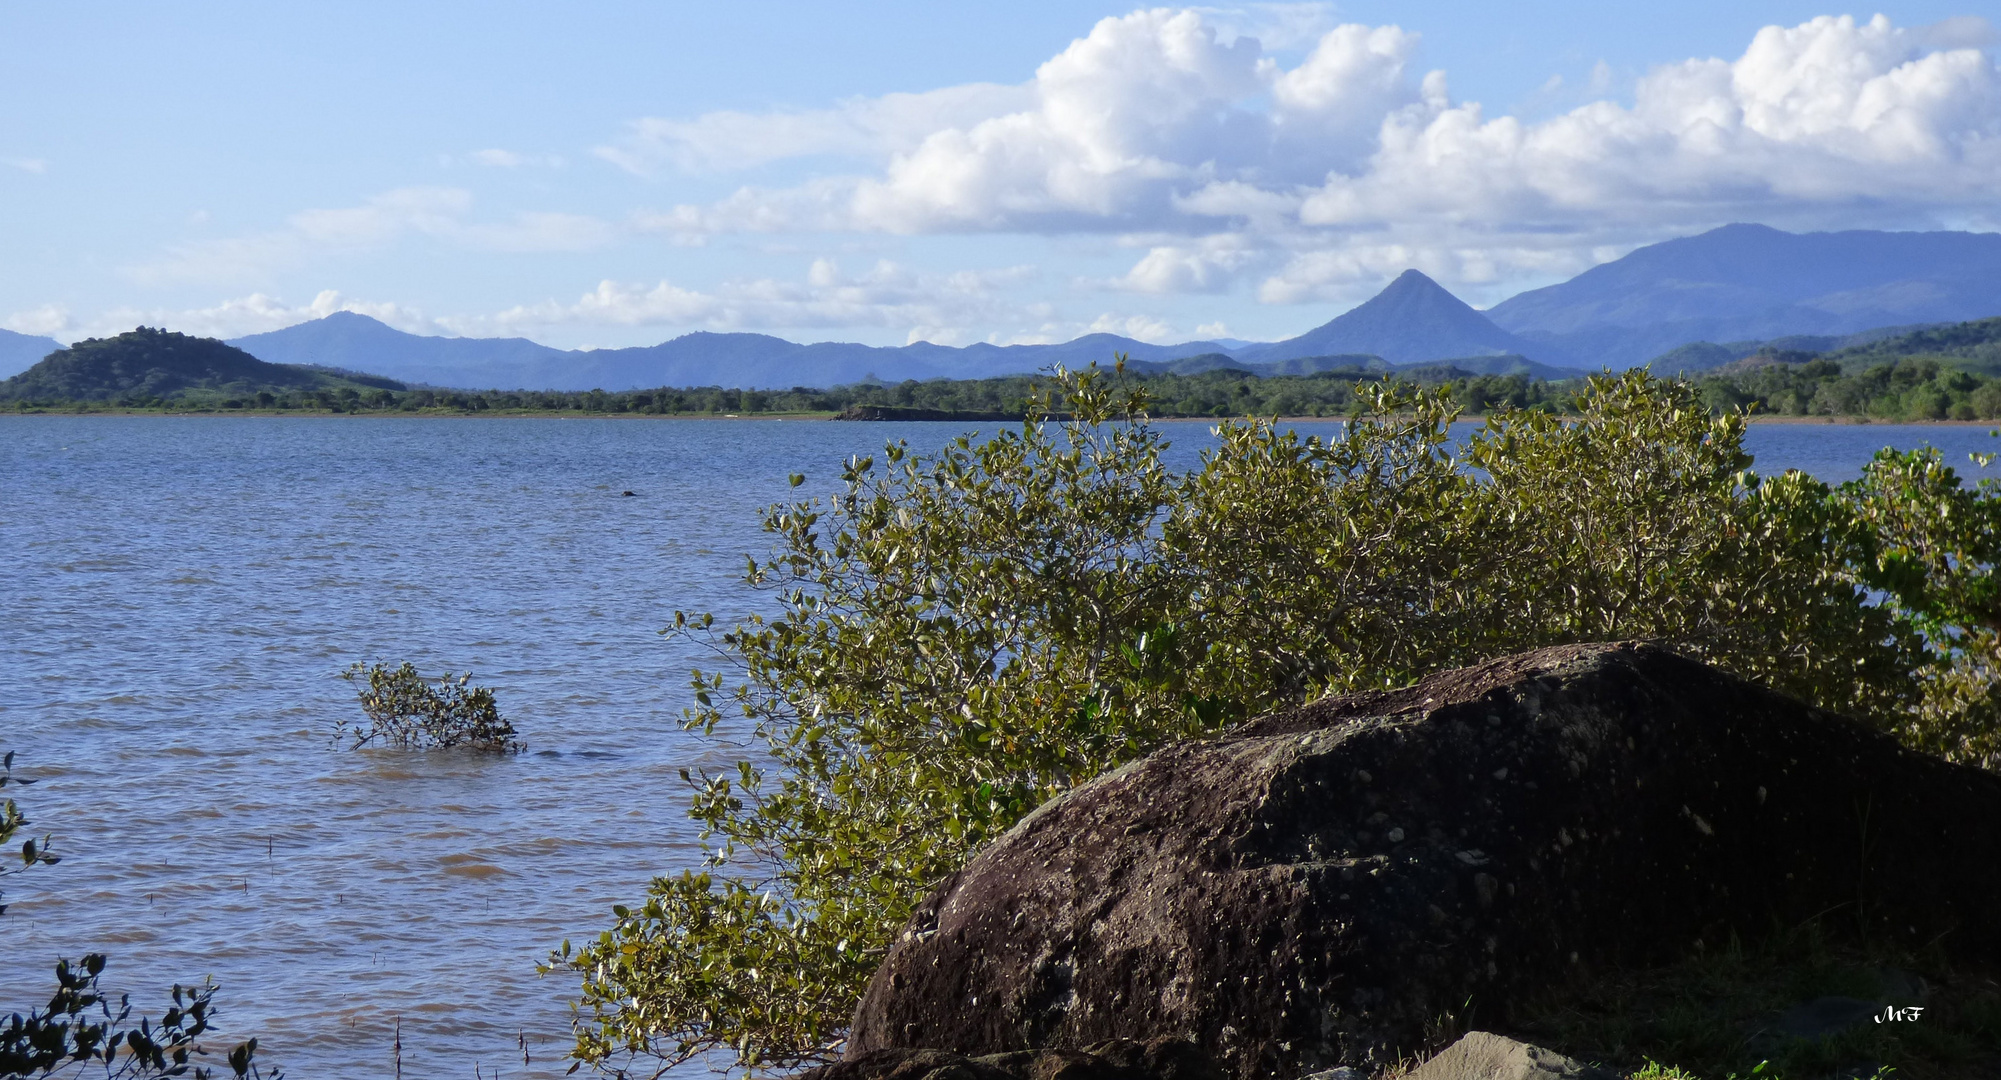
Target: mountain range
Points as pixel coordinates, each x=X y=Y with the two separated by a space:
x=357 y=342
x=1751 y=282
x=1739 y=285
x=1412 y=322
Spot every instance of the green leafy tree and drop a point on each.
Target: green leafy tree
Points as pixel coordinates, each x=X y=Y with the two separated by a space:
x=1929 y=544
x=961 y=635
x=963 y=617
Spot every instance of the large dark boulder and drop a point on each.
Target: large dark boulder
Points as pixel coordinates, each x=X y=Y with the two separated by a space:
x=1316 y=887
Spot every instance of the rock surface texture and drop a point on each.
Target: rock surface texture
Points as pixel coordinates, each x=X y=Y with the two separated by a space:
x=1313 y=889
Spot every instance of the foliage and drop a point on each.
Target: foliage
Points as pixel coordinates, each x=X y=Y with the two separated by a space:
x=33 y=851
x=1901 y=388
x=963 y=635
x=1930 y=545
x=962 y=624
x=406 y=711
x=1206 y=394
x=1974 y=346
x=80 y=1028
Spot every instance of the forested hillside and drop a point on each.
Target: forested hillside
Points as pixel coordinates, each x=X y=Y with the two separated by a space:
x=145 y=366
x=1968 y=346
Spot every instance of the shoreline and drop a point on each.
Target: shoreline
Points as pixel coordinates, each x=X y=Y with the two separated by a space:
x=397 y=414
x=548 y=414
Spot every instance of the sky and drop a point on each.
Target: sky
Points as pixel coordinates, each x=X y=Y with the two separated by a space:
x=614 y=174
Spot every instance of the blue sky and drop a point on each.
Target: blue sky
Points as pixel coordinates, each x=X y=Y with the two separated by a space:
x=618 y=174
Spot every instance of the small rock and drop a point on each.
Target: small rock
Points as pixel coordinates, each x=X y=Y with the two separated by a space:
x=1480 y=1055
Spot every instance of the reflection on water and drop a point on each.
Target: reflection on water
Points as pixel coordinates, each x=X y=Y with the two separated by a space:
x=180 y=595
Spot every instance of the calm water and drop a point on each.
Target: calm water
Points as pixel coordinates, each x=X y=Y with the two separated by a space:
x=180 y=594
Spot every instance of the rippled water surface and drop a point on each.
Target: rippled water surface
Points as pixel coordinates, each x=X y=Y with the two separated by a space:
x=179 y=595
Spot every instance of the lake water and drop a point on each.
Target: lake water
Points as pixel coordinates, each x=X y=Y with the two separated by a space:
x=180 y=594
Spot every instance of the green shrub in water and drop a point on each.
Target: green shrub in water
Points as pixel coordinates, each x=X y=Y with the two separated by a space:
x=403 y=709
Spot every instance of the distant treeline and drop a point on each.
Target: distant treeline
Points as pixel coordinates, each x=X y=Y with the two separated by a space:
x=1216 y=393
x=1941 y=373
x=1906 y=388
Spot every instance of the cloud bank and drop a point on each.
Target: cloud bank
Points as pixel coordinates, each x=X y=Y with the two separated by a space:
x=936 y=307
x=1163 y=131
x=954 y=308
x=236 y=317
x=1285 y=159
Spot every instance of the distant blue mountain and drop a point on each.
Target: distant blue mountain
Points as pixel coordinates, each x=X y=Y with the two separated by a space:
x=1751 y=282
x=1413 y=321
x=19 y=352
x=1739 y=283
x=358 y=343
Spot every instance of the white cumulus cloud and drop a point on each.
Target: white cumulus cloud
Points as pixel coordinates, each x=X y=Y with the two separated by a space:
x=49 y=320
x=254 y=313
x=1829 y=113
x=1203 y=265
x=1114 y=133
x=884 y=296
x=1346 y=164
x=957 y=308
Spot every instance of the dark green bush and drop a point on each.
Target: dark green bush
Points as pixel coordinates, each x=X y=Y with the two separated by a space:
x=405 y=710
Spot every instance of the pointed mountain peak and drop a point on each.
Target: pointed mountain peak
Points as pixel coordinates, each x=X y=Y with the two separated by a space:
x=353 y=318
x=1414 y=285
x=1413 y=320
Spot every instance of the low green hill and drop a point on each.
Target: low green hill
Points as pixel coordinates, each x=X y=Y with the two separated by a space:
x=1968 y=346
x=1697 y=357
x=148 y=365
